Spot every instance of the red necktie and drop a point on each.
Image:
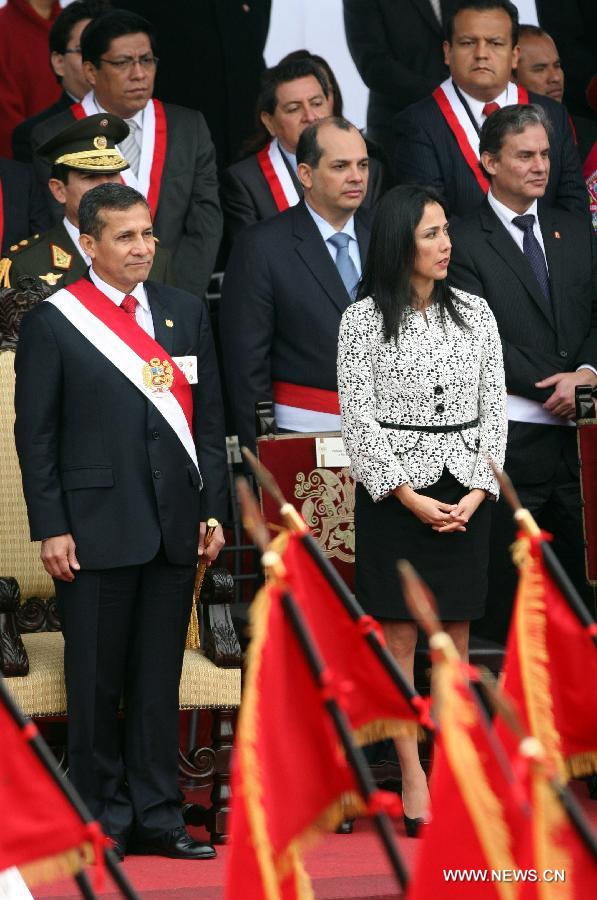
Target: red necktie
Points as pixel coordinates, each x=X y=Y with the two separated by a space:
x=129 y=305
x=490 y=108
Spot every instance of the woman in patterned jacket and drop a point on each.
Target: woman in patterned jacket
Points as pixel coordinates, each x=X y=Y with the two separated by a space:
x=423 y=401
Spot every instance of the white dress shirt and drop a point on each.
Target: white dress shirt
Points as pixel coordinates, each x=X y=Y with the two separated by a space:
x=506 y=217
x=327 y=231
x=476 y=106
x=142 y=312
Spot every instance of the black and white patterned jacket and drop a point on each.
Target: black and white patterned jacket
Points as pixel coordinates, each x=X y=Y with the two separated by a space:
x=437 y=374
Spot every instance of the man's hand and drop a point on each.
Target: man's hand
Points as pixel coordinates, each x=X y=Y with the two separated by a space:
x=562 y=402
x=58 y=557
x=215 y=545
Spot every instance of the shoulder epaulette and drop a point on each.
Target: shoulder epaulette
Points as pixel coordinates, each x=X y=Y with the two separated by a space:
x=22 y=245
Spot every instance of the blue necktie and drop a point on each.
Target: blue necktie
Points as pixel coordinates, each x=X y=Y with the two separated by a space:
x=344 y=264
x=533 y=251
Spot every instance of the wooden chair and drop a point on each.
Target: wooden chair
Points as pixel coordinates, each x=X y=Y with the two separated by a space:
x=31 y=644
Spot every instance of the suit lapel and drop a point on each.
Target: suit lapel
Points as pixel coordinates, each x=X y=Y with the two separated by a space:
x=161 y=314
x=554 y=252
x=424 y=7
x=505 y=246
x=312 y=250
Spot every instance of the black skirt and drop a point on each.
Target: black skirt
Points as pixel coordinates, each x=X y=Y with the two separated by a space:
x=453 y=565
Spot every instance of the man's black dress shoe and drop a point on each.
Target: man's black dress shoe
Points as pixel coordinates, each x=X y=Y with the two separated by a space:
x=177 y=844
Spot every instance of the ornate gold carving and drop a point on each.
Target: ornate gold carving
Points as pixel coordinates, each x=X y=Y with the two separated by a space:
x=328 y=509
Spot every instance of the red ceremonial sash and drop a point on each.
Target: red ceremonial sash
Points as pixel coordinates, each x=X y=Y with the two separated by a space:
x=458 y=131
x=159 y=151
x=272 y=179
x=135 y=337
x=303 y=397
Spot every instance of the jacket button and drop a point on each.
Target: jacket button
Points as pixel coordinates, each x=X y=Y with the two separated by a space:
x=157 y=473
x=155 y=435
x=440 y=408
x=438 y=389
x=563 y=354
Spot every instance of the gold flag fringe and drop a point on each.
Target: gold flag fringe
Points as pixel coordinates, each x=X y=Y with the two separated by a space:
x=380 y=729
x=581 y=764
x=530 y=624
x=548 y=820
x=483 y=805
x=52 y=868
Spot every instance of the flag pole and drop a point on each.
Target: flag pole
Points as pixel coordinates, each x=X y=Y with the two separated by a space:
x=528 y=524
x=274 y=566
x=294 y=522
x=48 y=761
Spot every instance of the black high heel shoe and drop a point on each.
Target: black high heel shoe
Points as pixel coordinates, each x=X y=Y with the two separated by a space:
x=413 y=825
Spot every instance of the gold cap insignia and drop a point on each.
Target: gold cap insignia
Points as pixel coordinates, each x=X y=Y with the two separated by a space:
x=104 y=123
x=100 y=142
x=51 y=278
x=60 y=258
x=169 y=323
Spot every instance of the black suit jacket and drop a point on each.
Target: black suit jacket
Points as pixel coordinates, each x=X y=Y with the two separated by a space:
x=280 y=312
x=573 y=25
x=188 y=220
x=538 y=338
x=427 y=153
x=21 y=136
x=247 y=198
x=397 y=48
x=97 y=458
x=23 y=204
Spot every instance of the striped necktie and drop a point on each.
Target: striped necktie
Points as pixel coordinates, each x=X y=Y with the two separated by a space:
x=130 y=146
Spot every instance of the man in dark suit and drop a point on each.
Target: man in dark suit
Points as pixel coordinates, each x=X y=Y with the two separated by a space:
x=397 y=48
x=78 y=165
x=293 y=94
x=23 y=210
x=537 y=269
x=122 y=462
x=287 y=283
x=65 y=59
x=437 y=139
x=169 y=149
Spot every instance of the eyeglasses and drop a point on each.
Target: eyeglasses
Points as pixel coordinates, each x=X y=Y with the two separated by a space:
x=126 y=63
x=72 y=50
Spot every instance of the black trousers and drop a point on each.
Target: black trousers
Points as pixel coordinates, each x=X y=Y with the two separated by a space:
x=556 y=505
x=124 y=632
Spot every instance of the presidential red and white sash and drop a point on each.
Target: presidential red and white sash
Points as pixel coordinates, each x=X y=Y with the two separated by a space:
x=153 y=147
x=298 y=407
x=464 y=131
x=134 y=353
x=277 y=176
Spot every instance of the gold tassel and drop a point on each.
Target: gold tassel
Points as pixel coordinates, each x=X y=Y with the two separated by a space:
x=192 y=641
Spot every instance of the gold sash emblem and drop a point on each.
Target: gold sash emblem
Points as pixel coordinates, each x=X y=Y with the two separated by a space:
x=158 y=376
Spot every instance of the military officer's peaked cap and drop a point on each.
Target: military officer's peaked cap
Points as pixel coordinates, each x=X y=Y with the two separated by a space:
x=88 y=145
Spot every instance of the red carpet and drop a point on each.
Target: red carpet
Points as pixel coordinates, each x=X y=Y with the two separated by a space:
x=341 y=867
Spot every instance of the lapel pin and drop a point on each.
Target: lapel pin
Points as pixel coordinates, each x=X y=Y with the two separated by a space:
x=556 y=234
x=170 y=323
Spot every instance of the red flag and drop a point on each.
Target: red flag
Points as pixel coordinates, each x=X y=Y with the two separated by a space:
x=41 y=833
x=479 y=805
x=551 y=668
x=374 y=705
x=291 y=780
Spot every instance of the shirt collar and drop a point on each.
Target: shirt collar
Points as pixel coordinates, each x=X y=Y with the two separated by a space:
x=291 y=157
x=476 y=106
x=137 y=118
x=506 y=215
x=326 y=230
x=73 y=233
x=117 y=296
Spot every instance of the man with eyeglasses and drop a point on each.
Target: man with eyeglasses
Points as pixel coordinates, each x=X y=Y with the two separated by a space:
x=169 y=148
x=65 y=59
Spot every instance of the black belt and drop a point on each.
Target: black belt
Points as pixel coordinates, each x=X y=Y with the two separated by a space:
x=430 y=429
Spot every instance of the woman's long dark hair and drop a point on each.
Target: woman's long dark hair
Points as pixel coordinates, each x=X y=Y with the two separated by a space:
x=391 y=257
